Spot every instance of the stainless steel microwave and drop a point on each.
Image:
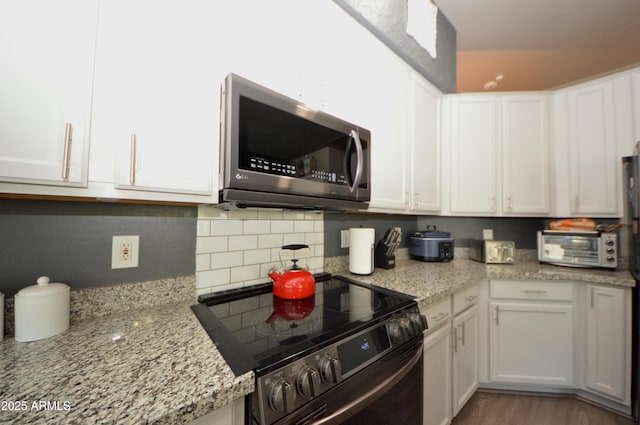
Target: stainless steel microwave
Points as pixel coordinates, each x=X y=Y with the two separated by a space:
x=578 y=248
x=275 y=151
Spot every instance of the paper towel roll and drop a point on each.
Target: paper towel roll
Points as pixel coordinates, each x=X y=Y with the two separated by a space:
x=361 y=243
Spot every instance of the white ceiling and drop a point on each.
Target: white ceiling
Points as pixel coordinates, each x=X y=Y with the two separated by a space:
x=541 y=44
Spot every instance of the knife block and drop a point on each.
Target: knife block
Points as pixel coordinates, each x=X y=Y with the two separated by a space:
x=380 y=257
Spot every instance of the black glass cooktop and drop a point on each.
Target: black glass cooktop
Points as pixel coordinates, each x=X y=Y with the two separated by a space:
x=254 y=330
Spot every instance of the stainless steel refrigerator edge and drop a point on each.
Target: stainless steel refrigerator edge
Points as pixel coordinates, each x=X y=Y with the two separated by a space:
x=631 y=179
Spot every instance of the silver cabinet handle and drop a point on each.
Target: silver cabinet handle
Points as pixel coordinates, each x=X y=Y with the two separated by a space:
x=510 y=204
x=66 y=160
x=591 y=296
x=534 y=291
x=471 y=298
x=494 y=205
x=132 y=164
x=462 y=325
x=440 y=316
x=455 y=339
x=497 y=315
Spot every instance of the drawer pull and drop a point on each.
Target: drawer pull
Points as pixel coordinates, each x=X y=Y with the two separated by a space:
x=440 y=316
x=497 y=315
x=462 y=326
x=534 y=291
x=455 y=339
x=471 y=298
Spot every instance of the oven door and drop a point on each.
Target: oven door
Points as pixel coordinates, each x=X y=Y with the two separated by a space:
x=385 y=393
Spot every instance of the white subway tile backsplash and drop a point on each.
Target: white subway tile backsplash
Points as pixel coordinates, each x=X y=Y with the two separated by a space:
x=257 y=227
x=293 y=238
x=203 y=228
x=212 y=278
x=239 y=274
x=303 y=226
x=282 y=226
x=225 y=260
x=226 y=227
x=257 y=256
x=243 y=243
x=203 y=262
x=208 y=244
x=238 y=247
x=270 y=214
x=270 y=241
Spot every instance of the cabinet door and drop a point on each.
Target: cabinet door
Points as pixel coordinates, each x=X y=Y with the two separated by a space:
x=474 y=167
x=531 y=343
x=606 y=336
x=157 y=97
x=525 y=161
x=437 y=377
x=46 y=78
x=424 y=145
x=388 y=125
x=465 y=357
x=593 y=157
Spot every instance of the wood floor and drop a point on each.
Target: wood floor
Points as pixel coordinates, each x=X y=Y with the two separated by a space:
x=507 y=409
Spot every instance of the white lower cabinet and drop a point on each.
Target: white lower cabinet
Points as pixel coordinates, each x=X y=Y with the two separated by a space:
x=437 y=393
x=557 y=336
x=607 y=342
x=450 y=356
x=465 y=357
x=531 y=343
x=531 y=332
x=437 y=377
x=231 y=414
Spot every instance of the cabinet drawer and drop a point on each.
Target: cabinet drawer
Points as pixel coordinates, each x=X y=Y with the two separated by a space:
x=464 y=298
x=438 y=313
x=531 y=290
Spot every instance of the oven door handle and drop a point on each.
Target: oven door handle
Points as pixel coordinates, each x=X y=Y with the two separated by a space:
x=356 y=405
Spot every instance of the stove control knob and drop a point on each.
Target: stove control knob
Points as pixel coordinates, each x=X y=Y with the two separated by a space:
x=418 y=322
x=308 y=382
x=282 y=396
x=407 y=328
x=396 y=333
x=330 y=370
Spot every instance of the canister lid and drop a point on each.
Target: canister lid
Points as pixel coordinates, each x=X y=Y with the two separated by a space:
x=43 y=289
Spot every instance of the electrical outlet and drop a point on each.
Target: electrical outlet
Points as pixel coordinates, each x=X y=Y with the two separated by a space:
x=487 y=234
x=125 y=251
x=344 y=238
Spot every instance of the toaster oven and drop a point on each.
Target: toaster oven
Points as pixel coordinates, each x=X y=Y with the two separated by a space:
x=578 y=248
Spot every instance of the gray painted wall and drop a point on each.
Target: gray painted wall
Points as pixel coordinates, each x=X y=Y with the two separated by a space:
x=71 y=242
x=387 y=20
x=462 y=229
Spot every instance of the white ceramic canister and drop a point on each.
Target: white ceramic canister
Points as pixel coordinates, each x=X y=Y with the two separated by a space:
x=361 y=244
x=42 y=310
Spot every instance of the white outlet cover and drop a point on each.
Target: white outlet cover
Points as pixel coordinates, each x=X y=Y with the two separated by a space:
x=117 y=262
x=487 y=234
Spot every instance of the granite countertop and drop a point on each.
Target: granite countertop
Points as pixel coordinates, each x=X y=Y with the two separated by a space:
x=158 y=365
x=432 y=281
x=152 y=365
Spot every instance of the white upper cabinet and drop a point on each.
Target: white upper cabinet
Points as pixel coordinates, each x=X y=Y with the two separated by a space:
x=587 y=162
x=473 y=140
x=499 y=153
x=424 y=146
x=525 y=156
x=47 y=51
x=157 y=99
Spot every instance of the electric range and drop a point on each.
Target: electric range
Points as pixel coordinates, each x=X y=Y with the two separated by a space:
x=303 y=350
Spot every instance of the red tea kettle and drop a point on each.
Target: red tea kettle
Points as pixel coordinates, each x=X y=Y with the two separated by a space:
x=294 y=283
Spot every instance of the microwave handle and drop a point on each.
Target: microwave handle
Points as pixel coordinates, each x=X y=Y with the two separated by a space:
x=359 y=157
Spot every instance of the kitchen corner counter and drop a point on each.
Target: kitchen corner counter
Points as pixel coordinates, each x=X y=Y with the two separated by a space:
x=152 y=365
x=432 y=281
